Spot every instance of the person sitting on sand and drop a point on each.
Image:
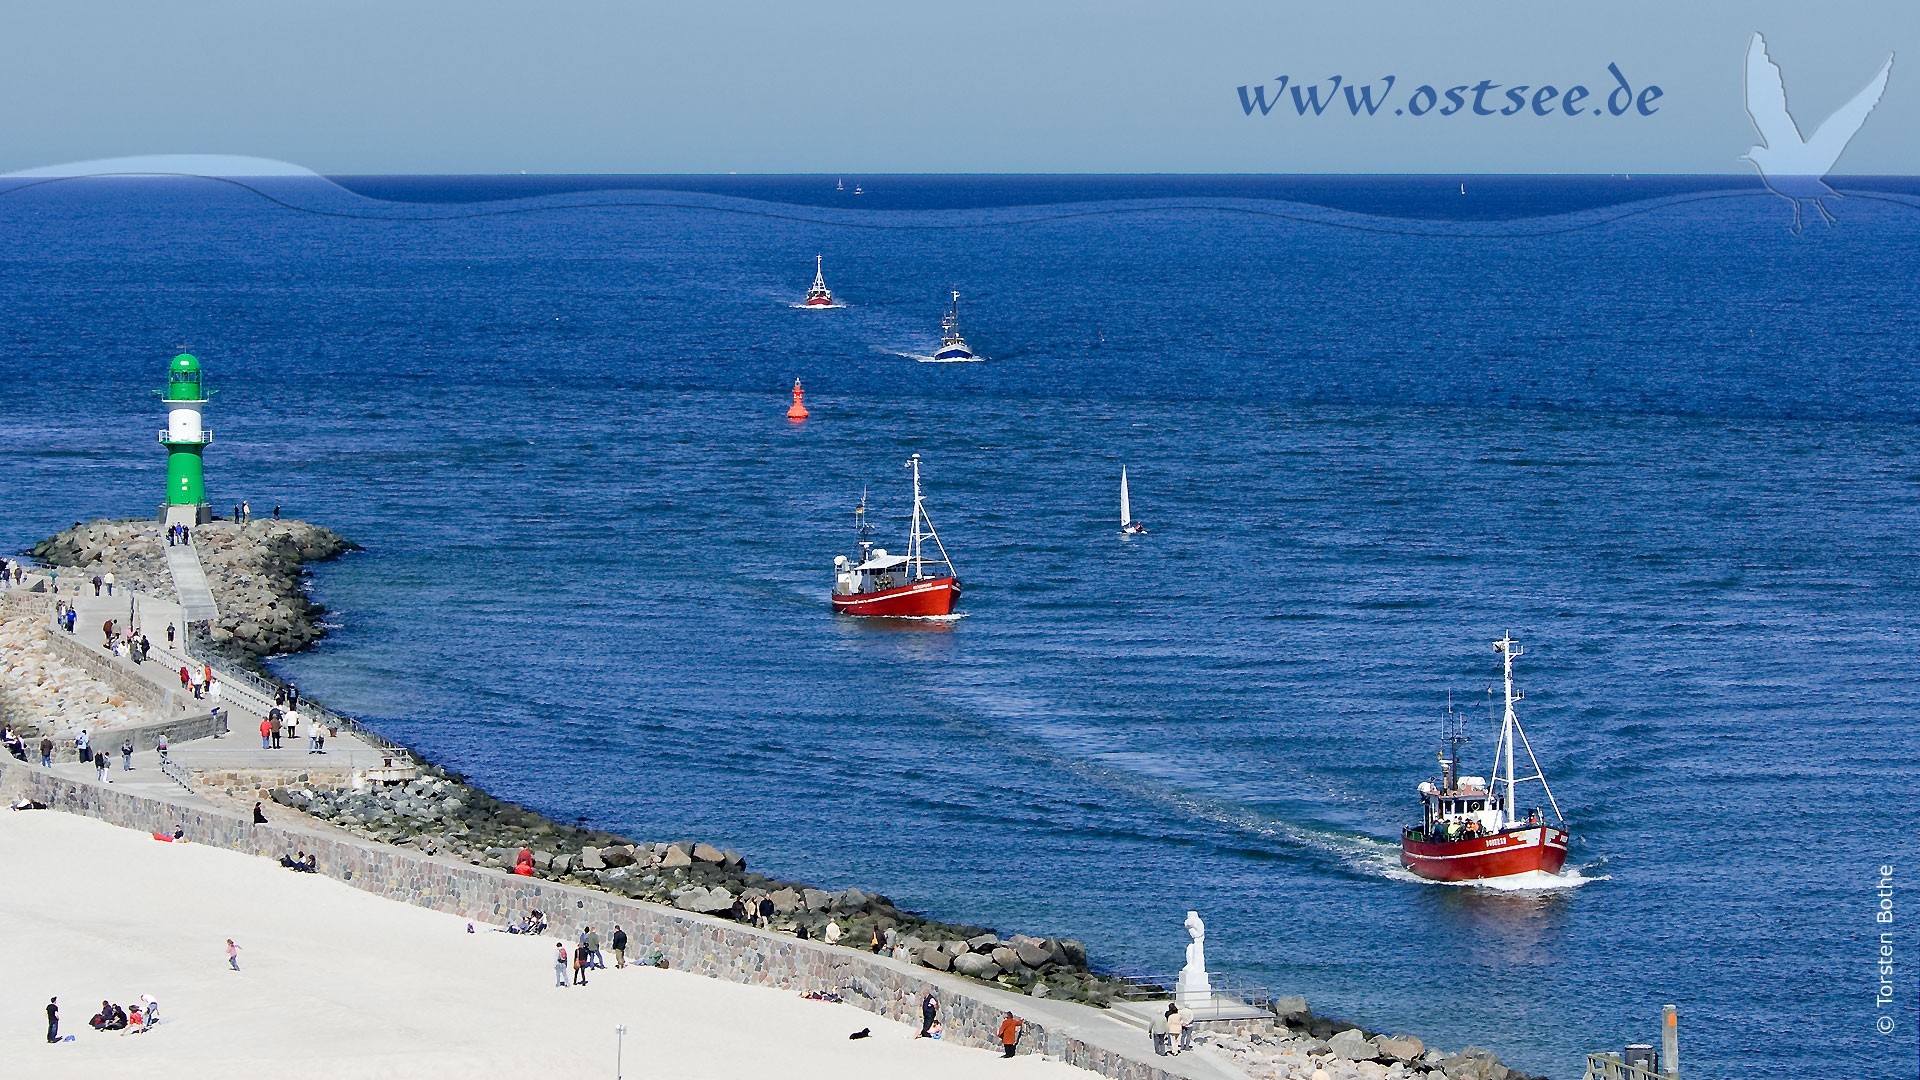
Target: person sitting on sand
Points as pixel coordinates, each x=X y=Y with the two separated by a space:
x=102 y=1018
x=118 y=1021
x=135 y=1022
x=312 y=865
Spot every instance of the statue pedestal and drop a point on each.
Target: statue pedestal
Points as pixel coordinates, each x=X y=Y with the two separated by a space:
x=1193 y=991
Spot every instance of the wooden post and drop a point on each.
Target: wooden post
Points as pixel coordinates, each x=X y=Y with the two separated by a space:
x=1670 y=1042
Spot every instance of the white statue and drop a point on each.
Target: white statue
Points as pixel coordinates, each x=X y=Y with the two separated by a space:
x=1193 y=990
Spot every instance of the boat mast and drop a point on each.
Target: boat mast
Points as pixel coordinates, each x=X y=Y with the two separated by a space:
x=1508 y=650
x=913 y=530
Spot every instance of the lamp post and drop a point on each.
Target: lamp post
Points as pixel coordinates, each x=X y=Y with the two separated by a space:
x=619 y=1044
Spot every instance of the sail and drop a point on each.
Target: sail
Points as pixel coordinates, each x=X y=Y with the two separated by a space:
x=1126 y=510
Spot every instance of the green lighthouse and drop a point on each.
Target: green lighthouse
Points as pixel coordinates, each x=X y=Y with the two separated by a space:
x=185 y=439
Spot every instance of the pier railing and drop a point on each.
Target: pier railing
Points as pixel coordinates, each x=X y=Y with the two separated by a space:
x=1611 y=1067
x=265 y=690
x=1139 y=987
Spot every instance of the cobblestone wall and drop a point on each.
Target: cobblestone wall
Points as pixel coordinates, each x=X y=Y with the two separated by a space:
x=688 y=942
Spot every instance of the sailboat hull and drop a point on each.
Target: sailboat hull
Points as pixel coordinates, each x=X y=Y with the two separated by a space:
x=920 y=599
x=1512 y=854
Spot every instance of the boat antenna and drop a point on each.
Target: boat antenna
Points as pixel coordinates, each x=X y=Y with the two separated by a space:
x=862 y=528
x=1452 y=734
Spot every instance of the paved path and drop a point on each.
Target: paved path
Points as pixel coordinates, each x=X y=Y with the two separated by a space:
x=190 y=583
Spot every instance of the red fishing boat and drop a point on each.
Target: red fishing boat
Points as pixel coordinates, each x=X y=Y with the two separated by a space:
x=911 y=585
x=818 y=296
x=1474 y=831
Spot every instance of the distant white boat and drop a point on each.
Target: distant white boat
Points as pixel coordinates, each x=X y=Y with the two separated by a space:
x=1127 y=524
x=839 y=185
x=952 y=345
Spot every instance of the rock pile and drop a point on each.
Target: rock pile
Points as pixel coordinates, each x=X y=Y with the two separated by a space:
x=254 y=570
x=440 y=815
x=42 y=694
x=1304 y=1042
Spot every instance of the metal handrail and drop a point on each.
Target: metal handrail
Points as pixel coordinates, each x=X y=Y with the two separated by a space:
x=267 y=689
x=1135 y=987
x=1610 y=1067
x=206 y=436
x=176 y=772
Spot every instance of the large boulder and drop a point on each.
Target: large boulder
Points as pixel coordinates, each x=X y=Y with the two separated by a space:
x=936 y=958
x=709 y=901
x=815 y=899
x=707 y=853
x=1473 y=1063
x=590 y=860
x=1032 y=955
x=983 y=943
x=1351 y=1045
x=1006 y=958
x=974 y=965
x=785 y=901
x=1292 y=1010
x=676 y=857
x=543 y=860
x=616 y=856
x=1405 y=1048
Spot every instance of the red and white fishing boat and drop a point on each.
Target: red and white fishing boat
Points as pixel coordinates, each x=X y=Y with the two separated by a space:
x=818 y=296
x=1473 y=831
x=911 y=585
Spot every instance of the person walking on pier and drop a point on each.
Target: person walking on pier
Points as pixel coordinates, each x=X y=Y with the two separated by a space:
x=96 y=584
x=1010 y=1032
x=580 y=964
x=619 y=946
x=560 y=964
x=100 y=765
x=108 y=579
x=266 y=730
x=126 y=754
x=46 y=753
x=169 y=635
x=233 y=954
x=270 y=727
x=53 y=1019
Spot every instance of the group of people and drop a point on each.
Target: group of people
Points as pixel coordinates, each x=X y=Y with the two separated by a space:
x=103 y=579
x=277 y=724
x=302 y=863
x=1173 y=1032
x=179 y=536
x=199 y=679
x=12 y=573
x=135 y=1018
x=585 y=954
x=64 y=615
x=532 y=923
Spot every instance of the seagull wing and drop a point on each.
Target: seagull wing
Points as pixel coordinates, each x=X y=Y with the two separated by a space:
x=1767 y=100
x=1834 y=134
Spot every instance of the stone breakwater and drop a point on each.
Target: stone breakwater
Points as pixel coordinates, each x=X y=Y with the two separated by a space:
x=254 y=570
x=438 y=814
x=1301 y=1041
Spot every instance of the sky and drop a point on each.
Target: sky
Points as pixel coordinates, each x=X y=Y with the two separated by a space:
x=991 y=86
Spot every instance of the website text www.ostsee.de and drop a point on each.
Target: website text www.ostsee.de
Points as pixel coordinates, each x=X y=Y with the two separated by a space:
x=1340 y=96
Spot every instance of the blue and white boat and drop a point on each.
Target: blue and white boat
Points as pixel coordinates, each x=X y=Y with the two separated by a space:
x=952 y=345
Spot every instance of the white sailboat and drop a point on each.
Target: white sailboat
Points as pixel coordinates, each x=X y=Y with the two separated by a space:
x=1127 y=524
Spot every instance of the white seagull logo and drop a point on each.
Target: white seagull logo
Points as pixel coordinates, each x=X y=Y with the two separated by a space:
x=1794 y=167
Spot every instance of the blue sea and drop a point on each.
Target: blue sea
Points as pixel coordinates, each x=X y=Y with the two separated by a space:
x=1372 y=423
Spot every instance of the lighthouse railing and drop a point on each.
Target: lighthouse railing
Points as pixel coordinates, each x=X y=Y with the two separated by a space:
x=205 y=436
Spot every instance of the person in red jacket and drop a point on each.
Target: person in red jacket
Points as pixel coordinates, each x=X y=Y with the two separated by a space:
x=1010 y=1032
x=266 y=734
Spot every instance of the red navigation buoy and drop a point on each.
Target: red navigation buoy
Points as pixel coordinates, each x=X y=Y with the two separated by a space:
x=799 y=411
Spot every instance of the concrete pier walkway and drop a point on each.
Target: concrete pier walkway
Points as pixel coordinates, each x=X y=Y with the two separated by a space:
x=190 y=583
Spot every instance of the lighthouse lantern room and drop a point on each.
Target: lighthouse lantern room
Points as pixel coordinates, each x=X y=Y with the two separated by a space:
x=185 y=439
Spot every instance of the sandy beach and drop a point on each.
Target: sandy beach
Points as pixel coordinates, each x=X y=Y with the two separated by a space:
x=336 y=982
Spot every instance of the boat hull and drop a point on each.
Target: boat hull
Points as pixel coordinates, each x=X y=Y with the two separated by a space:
x=1512 y=854
x=817 y=301
x=920 y=599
